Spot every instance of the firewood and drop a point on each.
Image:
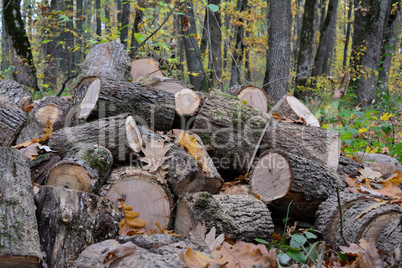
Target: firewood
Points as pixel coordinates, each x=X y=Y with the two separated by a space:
x=255 y=97
x=165 y=83
x=12 y=119
x=348 y=166
x=142 y=191
x=85 y=168
x=290 y=107
x=70 y=220
x=278 y=178
x=244 y=217
x=52 y=109
x=16 y=93
x=364 y=217
x=42 y=165
x=145 y=67
x=18 y=226
x=188 y=102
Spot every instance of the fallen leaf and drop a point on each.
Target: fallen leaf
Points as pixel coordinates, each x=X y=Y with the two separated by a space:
x=155 y=151
x=48 y=132
x=391 y=190
x=31 y=151
x=195 y=259
x=235 y=190
x=186 y=24
x=130 y=225
x=366 y=253
x=117 y=252
x=368 y=173
x=351 y=182
x=190 y=144
x=207 y=242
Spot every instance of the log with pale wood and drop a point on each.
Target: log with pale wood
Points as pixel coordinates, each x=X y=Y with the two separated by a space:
x=12 y=119
x=280 y=178
x=142 y=191
x=85 y=168
x=165 y=83
x=50 y=109
x=71 y=220
x=254 y=97
x=15 y=93
x=42 y=165
x=19 y=237
x=364 y=217
x=244 y=217
x=145 y=67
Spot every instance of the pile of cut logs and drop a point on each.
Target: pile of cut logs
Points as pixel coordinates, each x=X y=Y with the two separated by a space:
x=126 y=113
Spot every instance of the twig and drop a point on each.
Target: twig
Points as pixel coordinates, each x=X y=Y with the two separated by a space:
x=64 y=84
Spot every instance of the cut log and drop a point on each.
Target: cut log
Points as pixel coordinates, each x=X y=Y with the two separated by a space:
x=384 y=164
x=150 y=107
x=294 y=109
x=142 y=191
x=280 y=178
x=255 y=97
x=165 y=83
x=42 y=165
x=106 y=60
x=364 y=217
x=71 y=220
x=188 y=102
x=244 y=217
x=85 y=168
x=348 y=166
x=231 y=131
x=16 y=93
x=12 y=119
x=145 y=67
x=52 y=109
x=19 y=236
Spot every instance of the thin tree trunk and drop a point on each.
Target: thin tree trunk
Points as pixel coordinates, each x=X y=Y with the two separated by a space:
x=204 y=38
x=79 y=22
x=137 y=20
x=276 y=81
x=125 y=21
x=348 y=28
x=323 y=7
x=88 y=19
x=215 y=35
x=66 y=57
x=298 y=20
x=98 y=19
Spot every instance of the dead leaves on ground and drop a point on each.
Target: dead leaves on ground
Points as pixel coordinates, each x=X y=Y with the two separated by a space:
x=191 y=145
x=207 y=242
x=155 y=151
x=366 y=253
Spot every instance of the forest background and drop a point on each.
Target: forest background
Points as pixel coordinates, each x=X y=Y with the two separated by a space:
x=342 y=57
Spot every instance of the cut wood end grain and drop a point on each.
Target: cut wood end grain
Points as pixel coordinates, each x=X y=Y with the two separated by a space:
x=51 y=113
x=255 y=97
x=187 y=102
x=70 y=177
x=145 y=66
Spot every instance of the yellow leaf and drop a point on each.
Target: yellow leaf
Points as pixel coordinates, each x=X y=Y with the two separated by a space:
x=130 y=225
x=363 y=130
x=190 y=144
x=75 y=49
x=193 y=74
x=386 y=116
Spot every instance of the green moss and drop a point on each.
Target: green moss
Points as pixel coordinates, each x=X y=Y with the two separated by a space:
x=202 y=200
x=206 y=139
x=97 y=160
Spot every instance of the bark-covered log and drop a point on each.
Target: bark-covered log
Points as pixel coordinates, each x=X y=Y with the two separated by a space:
x=15 y=92
x=255 y=97
x=12 y=119
x=42 y=165
x=142 y=191
x=280 y=178
x=244 y=217
x=348 y=166
x=145 y=67
x=364 y=217
x=85 y=168
x=19 y=238
x=71 y=220
x=290 y=107
x=52 y=109
x=165 y=83
x=106 y=60
x=231 y=131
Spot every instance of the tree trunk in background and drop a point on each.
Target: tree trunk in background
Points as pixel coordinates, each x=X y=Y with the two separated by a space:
x=98 y=19
x=65 y=55
x=194 y=63
x=298 y=20
x=323 y=7
x=204 y=38
x=327 y=39
x=389 y=43
x=139 y=14
x=118 y=4
x=305 y=57
x=238 y=52
x=278 y=55
x=51 y=50
x=19 y=49
x=367 y=39
x=215 y=35
x=125 y=22
x=88 y=18
x=348 y=27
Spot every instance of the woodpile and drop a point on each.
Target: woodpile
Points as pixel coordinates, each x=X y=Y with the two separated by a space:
x=104 y=161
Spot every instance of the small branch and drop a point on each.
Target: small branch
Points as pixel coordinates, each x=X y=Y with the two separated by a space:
x=64 y=85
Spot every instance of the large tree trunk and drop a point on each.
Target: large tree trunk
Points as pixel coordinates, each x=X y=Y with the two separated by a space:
x=71 y=220
x=18 y=226
x=276 y=81
x=125 y=22
x=244 y=217
x=19 y=55
x=139 y=14
x=367 y=39
x=12 y=119
x=194 y=63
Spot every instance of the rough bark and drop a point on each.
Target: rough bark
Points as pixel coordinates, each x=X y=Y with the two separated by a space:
x=15 y=93
x=193 y=56
x=279 y=178
x=139 y=14
x=348 y=166
x=244 y=217
x=276 y=80
x=255 y=97
x=65 y=61
x=79 y=23
x=18 y=226
x=367 y=39
x=50 y=109
x=348 y=28
x=215 y=41
x=98 y=30
x=327 y=39
x=369 y=225
x=144 y=67
x=71 y=220
x=84 y=169
x=12 y=119
x=142 y=191
x=125 y=22
x=42 y=165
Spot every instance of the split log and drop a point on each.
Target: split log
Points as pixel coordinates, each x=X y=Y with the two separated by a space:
x=12 y=119
x=348 y=166
x=384 y=164
x=16 y=93
x=165 y=83
x=280 y=178
x=255 y=97
x=145 y=67
x=42 y=165
x=71 y=220
x=244 y=217
x=231 y=131
x=19 y=236
x=52 y=109
x=85 y=168
x=364 y=217
x=290 y=107
x=142 y=191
